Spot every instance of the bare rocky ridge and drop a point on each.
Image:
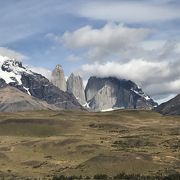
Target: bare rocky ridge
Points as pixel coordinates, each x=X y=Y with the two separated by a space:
x=108 y=93
x=14 y=100
x=171 y=107
x=41 y=88
x=75 y=86
x=15 y=74
x=58 y=78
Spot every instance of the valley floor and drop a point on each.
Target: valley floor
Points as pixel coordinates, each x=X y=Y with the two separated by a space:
x=46 y=144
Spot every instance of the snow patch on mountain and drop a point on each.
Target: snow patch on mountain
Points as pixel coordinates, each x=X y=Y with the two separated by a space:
x=141 y=93
x=27 y=89
x=112 y=109
x=86 y=105
x=107 y=110
x=11 y=70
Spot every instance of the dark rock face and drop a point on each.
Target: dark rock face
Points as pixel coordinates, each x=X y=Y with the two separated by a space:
x=2 y=83
x=41 y=88
x=172 y=107
x=107 y=93
x=36 y=85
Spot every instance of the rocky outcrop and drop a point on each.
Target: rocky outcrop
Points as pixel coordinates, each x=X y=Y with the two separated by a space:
x=14 y=100
x=76 y=87
x=58 y=78
x=171 y=107
x=108 y=93
x=40 y=87
x=14 y=74
x=2 y=83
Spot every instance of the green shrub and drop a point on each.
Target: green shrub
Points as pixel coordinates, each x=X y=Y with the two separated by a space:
x=62 y=177
x=100 y=176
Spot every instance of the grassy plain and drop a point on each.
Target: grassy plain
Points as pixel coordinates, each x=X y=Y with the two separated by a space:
x=44 y=144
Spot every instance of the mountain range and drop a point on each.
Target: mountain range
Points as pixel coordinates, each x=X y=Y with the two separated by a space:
x=22 y=89
x=13 y=73
x=103 y=93
x=107 y=93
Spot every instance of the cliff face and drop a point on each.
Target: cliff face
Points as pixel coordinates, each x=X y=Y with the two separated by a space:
x=105 y=98
x=58 y=78
x=107 y=93
x=76 y=87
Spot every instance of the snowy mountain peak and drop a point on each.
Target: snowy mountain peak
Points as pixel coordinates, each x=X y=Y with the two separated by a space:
x=3 y=58
x=11 y=65
x=11 y=70
x=14 y=66
x=14 y=74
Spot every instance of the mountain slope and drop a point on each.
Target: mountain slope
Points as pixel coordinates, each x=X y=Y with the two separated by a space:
x=14 y=100
x=110 y=92
x=171 y=107
x=13 y=73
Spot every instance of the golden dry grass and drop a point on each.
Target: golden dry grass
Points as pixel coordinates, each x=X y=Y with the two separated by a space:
x=45 y=143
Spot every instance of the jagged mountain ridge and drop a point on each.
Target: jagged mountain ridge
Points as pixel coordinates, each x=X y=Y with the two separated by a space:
x=13 y=73
x=110 y=92
x=101 y=93
x=171 y=107
x=74 y=83
x=106 y=93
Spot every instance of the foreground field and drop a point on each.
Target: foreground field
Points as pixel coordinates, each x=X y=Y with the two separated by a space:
x=46 y=144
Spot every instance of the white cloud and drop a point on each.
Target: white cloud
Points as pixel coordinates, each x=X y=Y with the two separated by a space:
x=40 y=70
x=110 y=40
x=150 y=45
x=129 y=11
x=118 y=42
x=126 y=52
x=111 y=35
x=12 y=54
x=73 y=58
x=138 y=70
x=156 y=78
x=164 y=88
x=177 y=49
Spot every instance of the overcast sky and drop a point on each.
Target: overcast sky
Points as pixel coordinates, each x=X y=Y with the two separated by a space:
x=132 y=39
